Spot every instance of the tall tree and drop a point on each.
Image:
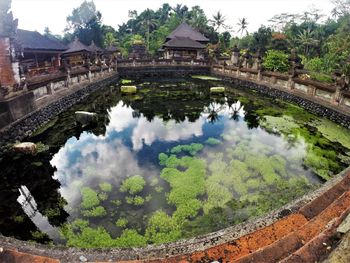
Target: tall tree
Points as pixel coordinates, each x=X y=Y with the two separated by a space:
x=148 y=23
x=218 y=21
x=85 y=23
x=307 y=40
x=243 y=25
x=8 y=26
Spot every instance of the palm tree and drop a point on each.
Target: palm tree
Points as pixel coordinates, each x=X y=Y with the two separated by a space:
x=243 y=24
x=148 y=22
x=218 y=21
x=307 y=40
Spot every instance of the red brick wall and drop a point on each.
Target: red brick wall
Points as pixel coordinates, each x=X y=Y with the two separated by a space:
x=6 y=73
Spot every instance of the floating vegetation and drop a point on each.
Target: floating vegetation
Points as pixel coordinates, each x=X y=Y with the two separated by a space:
x=203 y=77
x=128 y=89
x=217 y=89
x=133 y=184
x=126 y=81
x=192 y=148
x=94 y=212
x=105 y=187
x=213 y=141
x=121 y=222
x=89 y=198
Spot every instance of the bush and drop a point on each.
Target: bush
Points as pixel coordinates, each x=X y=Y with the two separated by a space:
x=276 y=61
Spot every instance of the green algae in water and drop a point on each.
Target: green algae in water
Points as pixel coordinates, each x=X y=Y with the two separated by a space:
x=203 y=77
x=133 y=185
x=199 y=174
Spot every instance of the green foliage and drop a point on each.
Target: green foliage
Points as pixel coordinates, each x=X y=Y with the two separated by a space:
x=130 y=238
x=80 y=234
x=203 y=77
x=94 y=212
x=162 y=158
x=321 y=77
x=133 y=184
x=122 y=222
x=89 y=198
x=213 y=141
x=161 y=228
x=276 y=61
x=136 y=200
x=126 y=81
x=192 y=148
x=105 y=187
x=284 y=124
x=103 y=196
x=116 y=202
x=334 y=132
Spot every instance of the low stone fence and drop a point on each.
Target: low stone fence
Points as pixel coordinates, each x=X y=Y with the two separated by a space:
x=43 y=87
x=162 y=68
x=328 y=94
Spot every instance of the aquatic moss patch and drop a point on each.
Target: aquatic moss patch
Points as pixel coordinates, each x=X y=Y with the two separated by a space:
x=98 y=211
x=126 y=81
x=334 y=132
x=105 y=187
x=89 y=198
x=284 y=124
x=121 y=222
x=213 y=141
x=204 y=77
x=128 y=89
x=133 y=184
x=192 y=148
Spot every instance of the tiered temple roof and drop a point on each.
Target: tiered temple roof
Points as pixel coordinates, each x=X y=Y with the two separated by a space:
x=32 y=40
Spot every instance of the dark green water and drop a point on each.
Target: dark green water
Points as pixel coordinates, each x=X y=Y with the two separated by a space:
x=169 y=162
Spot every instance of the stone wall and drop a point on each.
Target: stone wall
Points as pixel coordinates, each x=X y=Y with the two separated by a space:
x=25 y=126
x=42 y=87
x=306 y=101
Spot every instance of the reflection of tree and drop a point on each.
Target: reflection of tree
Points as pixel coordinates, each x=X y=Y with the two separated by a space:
x=170 y=103
x=213 y=111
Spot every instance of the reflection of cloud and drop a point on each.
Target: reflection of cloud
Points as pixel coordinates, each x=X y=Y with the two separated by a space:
x=97 y=161
x=148 y=132
x=120 y=118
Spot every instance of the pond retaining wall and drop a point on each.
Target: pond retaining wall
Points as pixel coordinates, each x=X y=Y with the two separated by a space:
x=321 y=99
x=24 y=126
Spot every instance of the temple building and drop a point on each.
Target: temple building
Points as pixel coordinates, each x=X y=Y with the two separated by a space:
x=39 y=54
x=185 y=42
x=77 y=53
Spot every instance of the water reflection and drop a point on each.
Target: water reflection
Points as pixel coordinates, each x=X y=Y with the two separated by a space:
x=135 y=135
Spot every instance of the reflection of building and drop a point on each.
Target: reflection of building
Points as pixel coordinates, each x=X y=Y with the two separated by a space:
x=30 y=207
x=185 y=42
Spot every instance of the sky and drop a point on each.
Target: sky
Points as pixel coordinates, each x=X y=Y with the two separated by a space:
x=37 y=14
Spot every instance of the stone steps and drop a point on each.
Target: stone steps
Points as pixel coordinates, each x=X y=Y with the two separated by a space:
x=306 y=240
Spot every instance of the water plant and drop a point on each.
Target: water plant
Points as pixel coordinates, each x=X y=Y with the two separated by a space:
x=89 y=198
x=97 y=211
x=133 y=184
x=213 y=141
x=121 y=222
x=105 y=187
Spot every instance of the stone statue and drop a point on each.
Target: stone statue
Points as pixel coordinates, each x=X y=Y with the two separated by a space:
x=295 y=63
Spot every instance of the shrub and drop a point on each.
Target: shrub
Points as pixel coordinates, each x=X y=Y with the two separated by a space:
x=276 y=61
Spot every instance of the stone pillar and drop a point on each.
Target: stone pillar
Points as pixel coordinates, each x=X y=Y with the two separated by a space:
x=235 y=56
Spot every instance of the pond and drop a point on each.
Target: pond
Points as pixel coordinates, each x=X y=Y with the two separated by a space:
x=168 y=162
